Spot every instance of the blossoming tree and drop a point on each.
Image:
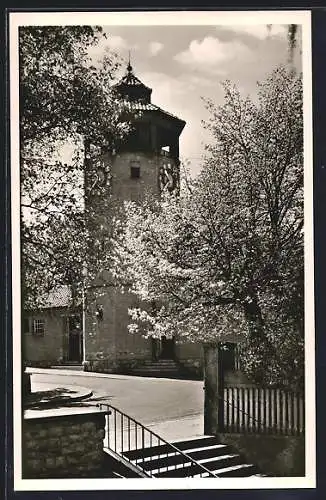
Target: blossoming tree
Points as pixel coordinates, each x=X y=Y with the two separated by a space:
x=66 y=102
x=66 y=98
x=225 y=256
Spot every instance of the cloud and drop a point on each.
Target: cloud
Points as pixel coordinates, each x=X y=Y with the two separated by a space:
x=261 y=31
x=96 y=52
x=165 y=88
x=196 y=80
x=117 y=42
x=112 y=42
x=170 y=90
x=210 y=51
x=181 y=95
x=155 y=48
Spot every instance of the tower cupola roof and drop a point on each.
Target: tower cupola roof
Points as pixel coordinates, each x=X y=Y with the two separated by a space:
x=132 y=88
x=137 y=98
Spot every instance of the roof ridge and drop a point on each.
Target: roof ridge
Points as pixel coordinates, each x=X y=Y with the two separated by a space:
x=149 y=107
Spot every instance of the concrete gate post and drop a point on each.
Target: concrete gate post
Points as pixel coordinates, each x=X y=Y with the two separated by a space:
x=214 y=389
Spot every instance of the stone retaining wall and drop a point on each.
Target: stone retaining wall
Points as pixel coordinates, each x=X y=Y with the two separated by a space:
x=63 y=443
x=112 y=365
x=192 y=367
x=280 y=456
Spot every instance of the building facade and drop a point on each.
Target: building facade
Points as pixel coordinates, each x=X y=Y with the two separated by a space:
x=53 y=333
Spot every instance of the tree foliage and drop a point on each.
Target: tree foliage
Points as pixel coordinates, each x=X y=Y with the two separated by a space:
x=64 y=100
x=225 y=258
x=62 y=93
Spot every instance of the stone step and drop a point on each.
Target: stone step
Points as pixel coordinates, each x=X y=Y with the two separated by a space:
x=198 y=444
x=69 y=366
x=172 y=463
x=189 y=469
x=206 y=451
x=157 y=370
x=240 y=470
x=156 y=367
x=168 y=368
x=160 y=361
x=160 y=374
x=221 y=459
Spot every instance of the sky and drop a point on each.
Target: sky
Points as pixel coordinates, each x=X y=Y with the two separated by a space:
x=182 y=64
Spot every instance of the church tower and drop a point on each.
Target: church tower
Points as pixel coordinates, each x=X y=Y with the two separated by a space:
x=147 y=161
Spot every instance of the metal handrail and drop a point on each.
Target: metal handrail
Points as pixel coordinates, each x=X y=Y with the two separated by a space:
x=173 y=449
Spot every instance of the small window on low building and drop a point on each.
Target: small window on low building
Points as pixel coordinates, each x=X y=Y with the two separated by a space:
x=38 y=327
x=134 y=170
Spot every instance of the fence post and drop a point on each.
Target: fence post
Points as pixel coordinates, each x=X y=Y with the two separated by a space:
x=214 y=390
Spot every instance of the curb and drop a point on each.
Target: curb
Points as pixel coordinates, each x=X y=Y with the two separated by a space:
x=60 y=401
x=76 y=373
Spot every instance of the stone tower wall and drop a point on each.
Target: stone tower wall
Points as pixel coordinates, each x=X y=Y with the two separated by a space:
x=109 y=347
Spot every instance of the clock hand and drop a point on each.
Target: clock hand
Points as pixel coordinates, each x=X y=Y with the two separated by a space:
x=95 y=182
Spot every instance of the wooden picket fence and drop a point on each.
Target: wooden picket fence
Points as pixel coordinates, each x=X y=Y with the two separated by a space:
x=252 y=410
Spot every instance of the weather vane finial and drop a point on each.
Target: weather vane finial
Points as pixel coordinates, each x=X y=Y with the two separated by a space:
x=129 y=67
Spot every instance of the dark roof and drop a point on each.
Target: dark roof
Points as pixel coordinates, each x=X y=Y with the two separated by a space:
x=131 y=87
x=137 y=96
x=131 y=79
x=148 y=106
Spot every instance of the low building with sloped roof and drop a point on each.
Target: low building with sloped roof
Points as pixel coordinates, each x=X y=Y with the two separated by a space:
x=53 y=332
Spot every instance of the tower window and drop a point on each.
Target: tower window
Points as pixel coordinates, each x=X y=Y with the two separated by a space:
x=135 y=170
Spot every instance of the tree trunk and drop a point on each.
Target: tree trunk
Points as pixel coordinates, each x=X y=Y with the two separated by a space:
x=214 y=389
x=254 y=318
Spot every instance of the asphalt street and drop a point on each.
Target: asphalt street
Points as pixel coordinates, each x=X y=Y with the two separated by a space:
x=173 y=408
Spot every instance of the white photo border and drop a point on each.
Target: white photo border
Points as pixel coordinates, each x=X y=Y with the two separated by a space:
x=168 y=18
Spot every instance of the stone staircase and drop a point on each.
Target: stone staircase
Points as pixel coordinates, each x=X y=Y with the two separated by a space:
x=147 y=454
x=161 y=368
x=221 y=459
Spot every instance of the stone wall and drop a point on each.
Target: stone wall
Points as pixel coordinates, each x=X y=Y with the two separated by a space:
x=190 y=357
x=109 y=347
x=126 y=188
x=63 y=443
x=281 y=456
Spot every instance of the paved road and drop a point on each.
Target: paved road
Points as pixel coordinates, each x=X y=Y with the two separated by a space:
x=173 y=408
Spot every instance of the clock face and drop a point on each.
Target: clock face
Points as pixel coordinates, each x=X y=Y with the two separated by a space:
x=101 y=175
x=167 y=178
